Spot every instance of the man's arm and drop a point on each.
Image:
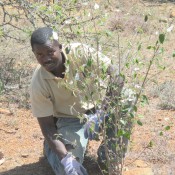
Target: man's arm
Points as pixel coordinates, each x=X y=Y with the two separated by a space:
x=71 y=165
x=48 y=129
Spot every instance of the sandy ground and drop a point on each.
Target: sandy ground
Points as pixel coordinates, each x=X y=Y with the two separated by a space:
x=21 y=143
x=21 y=140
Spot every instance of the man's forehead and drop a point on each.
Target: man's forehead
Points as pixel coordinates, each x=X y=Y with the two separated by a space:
x=50 y=44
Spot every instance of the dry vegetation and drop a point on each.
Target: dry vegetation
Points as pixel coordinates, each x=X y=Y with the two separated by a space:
x=152 y=145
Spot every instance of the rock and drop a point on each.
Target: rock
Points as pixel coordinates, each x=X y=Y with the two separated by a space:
x=139 y=171
x=5 y=111
x=24 y=155
x=172 y=14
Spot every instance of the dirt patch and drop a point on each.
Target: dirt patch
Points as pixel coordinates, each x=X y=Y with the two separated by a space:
x=152 y=146
x=22 y=144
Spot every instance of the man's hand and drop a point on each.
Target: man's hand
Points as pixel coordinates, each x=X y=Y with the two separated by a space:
x=93 y=124
x=72 y=166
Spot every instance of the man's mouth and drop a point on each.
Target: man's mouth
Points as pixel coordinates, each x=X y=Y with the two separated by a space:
x=49 y=65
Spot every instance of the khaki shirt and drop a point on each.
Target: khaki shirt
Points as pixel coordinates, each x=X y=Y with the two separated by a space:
x=77 y=91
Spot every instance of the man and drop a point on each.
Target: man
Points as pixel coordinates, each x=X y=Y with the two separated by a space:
x=62 y=89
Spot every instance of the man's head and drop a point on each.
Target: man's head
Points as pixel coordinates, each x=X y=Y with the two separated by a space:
x=45 y=46
x=42 y=35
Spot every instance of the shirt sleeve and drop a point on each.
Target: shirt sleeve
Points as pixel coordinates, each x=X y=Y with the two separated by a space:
x=84 y=52
x=40 y=102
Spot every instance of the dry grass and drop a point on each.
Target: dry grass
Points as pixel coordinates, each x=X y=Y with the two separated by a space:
x=128 y=22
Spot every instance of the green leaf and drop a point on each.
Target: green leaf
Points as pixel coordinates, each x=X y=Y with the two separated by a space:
x=57 y=7
x=144 y=100
x=92 y=126
x=146 y=18
x=157 y=42
x=140 y=30
x=91 y=94
x=89 y=62
x=131 y=115
x=122 y=76
x=43 y=8
x=150 y=144
x=108 y=33
x=162 y=67
x=135 y=74
x=167 y=128
x=136 y=60
x=139 y=47
x=122 y=121
x=135 y=108
x=86 y=98
x=104 y=69
x=174 y=54
x=127 y=65
x=127 y=135
x=151 y=47
x=67 y=49
x=161 y=50
x=140 y=116
x=78 y=32
x=161 y=133
x=120 y=132
x=162 y=38
x=139 y=123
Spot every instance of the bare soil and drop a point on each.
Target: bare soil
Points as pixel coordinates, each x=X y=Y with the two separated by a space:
x=21 y=140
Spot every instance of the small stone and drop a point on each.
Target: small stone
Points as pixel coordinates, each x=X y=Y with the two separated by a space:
x=24 y=155
x=5 y=111
x=172 y=14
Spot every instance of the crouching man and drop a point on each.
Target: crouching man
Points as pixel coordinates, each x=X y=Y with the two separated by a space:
x=57 y=105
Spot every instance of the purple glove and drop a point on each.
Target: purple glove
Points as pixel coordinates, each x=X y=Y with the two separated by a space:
x=92 y=126
x=72 y=166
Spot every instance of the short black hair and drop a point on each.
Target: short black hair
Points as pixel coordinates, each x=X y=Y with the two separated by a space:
x=41 y=35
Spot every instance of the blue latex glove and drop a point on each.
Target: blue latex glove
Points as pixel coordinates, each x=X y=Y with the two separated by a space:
x=92 y=126
x=72 y=166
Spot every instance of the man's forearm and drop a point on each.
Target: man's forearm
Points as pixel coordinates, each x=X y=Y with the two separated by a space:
x=49 y=131
x=55 y=144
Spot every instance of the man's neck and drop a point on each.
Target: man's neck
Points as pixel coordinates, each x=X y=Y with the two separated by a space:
x=60 y=71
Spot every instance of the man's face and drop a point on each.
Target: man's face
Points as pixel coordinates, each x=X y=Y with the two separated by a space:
x=48 y=55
